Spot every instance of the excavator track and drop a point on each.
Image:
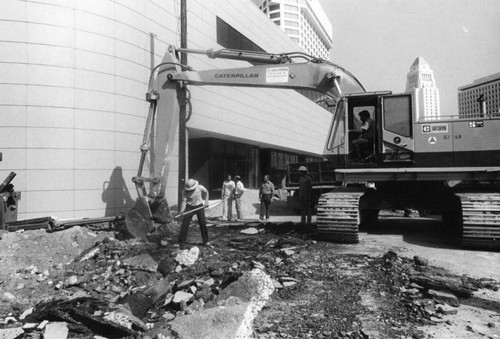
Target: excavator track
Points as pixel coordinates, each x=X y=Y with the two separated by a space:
x=481 y=220
x=338 y=217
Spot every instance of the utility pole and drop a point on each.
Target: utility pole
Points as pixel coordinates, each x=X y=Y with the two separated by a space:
x=182 y=109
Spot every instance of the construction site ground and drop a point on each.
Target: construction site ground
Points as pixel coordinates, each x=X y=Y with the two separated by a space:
x=322 y=289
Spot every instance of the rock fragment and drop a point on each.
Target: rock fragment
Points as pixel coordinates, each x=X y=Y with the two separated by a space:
x=445 y=298
x=188 y=257
x=56 y=330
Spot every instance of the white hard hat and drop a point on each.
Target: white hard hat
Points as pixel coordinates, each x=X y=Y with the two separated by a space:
x=302 y=169
x=191 y=184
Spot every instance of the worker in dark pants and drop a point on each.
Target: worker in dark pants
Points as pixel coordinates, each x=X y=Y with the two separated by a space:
x=194 y=201
x=305 y=195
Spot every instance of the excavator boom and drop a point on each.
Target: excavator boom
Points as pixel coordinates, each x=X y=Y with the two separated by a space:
x=272 y=71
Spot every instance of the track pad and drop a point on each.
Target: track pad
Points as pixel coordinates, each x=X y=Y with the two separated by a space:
x=139 y=219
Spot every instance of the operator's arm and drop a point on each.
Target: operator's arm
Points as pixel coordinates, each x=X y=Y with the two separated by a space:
x=183 y=203
x=205 y=192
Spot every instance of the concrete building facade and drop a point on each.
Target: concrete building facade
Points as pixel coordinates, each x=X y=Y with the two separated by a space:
x=484 y=91
x=74 y=78
x=421 y=83
x=304 y=21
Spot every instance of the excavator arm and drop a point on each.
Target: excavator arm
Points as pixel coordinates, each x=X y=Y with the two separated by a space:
x=271 y=71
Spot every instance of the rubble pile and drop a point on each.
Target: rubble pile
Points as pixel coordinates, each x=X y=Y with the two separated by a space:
x=275 y=281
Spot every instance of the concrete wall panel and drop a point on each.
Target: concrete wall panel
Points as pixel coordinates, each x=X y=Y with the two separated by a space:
x=50 y=138
x=50 y=96
x=102 y=159
x=43 y=75
x=49 y=159
x=50 y=55
x=39 y=180
x=50 y=117
x=12 y=137
x=94 y=120
x=94 y=140
x=13 y=116
x=15 y=31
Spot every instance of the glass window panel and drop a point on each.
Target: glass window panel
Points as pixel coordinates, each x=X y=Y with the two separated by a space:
x=397 y=115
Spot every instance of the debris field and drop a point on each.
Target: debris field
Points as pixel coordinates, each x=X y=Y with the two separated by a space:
x=274 y=280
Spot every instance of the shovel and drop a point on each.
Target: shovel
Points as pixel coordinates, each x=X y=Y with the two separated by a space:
x=210 y=205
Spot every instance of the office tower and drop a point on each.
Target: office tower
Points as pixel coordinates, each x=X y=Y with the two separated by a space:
x=304 y=21
x=480 y=97
x=421 y=83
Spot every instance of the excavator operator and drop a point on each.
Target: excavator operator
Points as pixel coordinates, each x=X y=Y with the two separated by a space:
x=365 y=138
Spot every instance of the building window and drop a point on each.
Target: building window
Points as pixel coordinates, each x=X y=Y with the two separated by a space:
x=274 y=15
x=291 y=31
x=274 y=7
x=229 y=37
x=291 y=16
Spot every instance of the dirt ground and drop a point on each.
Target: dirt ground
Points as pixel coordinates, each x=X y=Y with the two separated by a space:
x=335 y=290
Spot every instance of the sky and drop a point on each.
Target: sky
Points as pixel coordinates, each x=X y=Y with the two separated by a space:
x=378 y=41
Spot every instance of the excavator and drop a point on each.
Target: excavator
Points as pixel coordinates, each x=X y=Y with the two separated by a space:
x=448 y=165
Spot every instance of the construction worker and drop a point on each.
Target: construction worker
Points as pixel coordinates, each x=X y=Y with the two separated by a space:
x=266 y=194
x=227 y=198
x=305 y=195
x=194 y=201
x=238 y=192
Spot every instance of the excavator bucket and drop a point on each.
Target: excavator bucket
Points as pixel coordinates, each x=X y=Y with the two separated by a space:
x=139 y=219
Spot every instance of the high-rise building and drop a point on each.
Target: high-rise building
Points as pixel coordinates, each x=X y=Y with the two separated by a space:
x=420 y=82
x=480 y=97
x=304 y=21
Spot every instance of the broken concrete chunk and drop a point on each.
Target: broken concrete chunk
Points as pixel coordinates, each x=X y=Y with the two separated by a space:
x=446 y=309
x=288 y=252
x=28 y=327
x=277 y=284
x=185 y=283
x=10 y=333
x=26 y=313
x=180 y=296
x=8 y=297
x=445 y=298
x=168 y=299
x=216 y=322
x=31 y=269
x=250 y=231
x=168 y=316
x=258 y=265
x=142 y=262
x=42 y=325
x=71 y=281
x=56 y=330
x=437 y=320
x=119 y=319
x=209 y=282
x=289 y=283
x=420 y=261
x=188 y=257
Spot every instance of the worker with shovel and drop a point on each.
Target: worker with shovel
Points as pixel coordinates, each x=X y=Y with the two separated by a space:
x=194 y=201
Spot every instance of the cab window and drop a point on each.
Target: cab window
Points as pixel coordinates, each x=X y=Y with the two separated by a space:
x=397 y=115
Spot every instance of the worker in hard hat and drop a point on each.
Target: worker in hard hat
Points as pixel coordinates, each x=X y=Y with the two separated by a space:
x=194 y=200
x=305 y=195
